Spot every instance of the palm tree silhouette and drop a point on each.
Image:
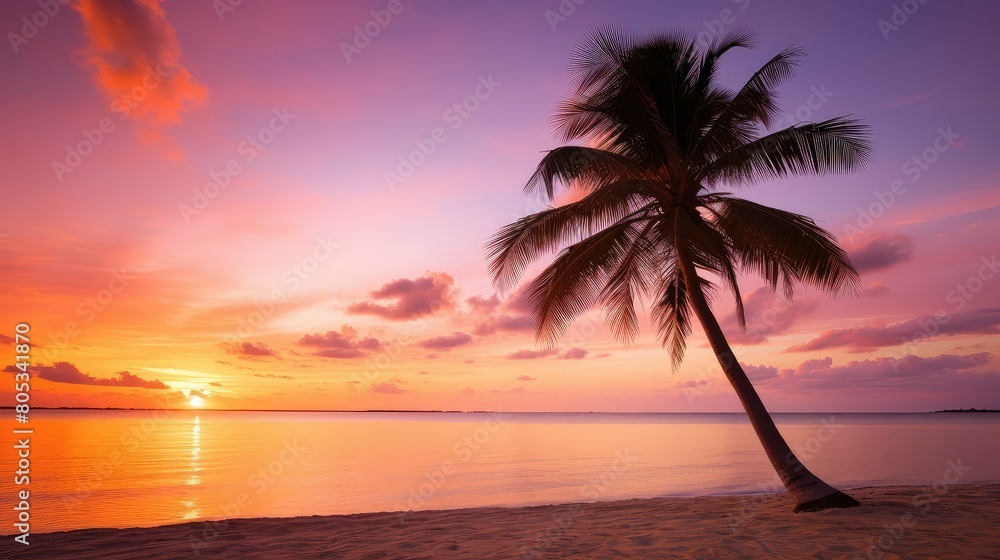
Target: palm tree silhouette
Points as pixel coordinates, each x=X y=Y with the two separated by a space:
x=662 y=138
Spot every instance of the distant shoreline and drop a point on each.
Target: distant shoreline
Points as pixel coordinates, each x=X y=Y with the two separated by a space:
x=966 y=410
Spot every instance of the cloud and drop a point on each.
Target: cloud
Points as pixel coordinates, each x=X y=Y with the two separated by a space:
x=215 y=384
x=519 y=301
x=482 y=304
x=135 y=56
x=878 y=250
x=943 y=372
x=273 y=376
x=65 y=372
x=604 y=355
x=492 y=315
x=419 y=297
x=223 y=362
x=870 y=337
x=467 y=391
x=530 y=354
x=255 y=351
x=767 y=315
x=514 y=390
x=759 y=373
x=345 y=344
x=875 y=290
x=574 y=354
x=506 y=323
x=526 y=378
x=6 y=340
x=446 y=341
x=387 y=388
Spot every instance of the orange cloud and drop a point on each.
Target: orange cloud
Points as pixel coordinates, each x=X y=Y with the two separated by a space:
x=135 y=54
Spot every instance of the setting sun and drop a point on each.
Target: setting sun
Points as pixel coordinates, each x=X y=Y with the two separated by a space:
x=196 y=402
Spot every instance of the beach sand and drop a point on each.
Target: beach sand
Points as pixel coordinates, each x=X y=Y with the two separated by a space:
x=906 y=522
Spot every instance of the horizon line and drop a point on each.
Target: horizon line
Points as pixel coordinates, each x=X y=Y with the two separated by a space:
x=495 y=411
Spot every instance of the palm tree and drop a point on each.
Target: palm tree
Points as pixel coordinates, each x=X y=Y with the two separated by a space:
x=662 y=139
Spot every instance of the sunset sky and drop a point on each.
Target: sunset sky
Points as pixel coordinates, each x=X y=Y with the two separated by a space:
x=215 y=200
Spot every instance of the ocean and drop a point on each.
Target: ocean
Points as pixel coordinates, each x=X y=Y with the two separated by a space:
x=91 y=468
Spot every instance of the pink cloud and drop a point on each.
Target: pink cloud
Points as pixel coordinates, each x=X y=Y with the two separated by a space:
x=530 y=354
x=134 y=53
x=345 y=344
x=387 y=388
x=526 y=378
x=878 y=250
x=419 y=297
x=574 y=354
x=871 y=337
x=504 y=323
x=946 y=371
x=446 y=341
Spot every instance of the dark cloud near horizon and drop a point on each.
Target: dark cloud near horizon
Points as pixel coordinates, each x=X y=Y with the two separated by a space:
x=65 y=372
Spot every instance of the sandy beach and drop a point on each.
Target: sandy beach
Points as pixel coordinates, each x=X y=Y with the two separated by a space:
x=895 y=522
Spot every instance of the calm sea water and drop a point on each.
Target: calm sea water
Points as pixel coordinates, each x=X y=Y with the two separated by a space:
x=146 y=468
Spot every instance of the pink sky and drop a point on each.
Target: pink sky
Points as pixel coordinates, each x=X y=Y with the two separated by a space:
x=214 y=204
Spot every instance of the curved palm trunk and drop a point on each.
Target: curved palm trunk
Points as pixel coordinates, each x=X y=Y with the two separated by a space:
x=808 y=490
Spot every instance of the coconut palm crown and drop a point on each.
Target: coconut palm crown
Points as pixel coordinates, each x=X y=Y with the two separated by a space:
x=662 y=140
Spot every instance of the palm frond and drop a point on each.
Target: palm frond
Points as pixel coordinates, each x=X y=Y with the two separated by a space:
x=572 y=284
x=837 y=145
x=784 y=248
x=581 y=166
x=513 y=247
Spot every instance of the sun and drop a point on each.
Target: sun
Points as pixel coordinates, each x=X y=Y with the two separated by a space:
x=196 y=401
